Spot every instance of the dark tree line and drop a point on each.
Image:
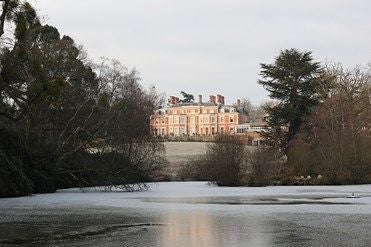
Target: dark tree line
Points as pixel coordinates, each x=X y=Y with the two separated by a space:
x=65 y=121
x=321 y=123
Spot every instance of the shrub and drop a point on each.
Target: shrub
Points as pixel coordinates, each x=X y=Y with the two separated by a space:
x=266 y=166
x=224 y=162
x=13 y=180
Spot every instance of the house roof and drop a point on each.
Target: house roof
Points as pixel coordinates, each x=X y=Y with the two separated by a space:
x=180 y=104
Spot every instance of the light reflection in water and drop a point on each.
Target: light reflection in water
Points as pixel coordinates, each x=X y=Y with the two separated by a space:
x=204 y=230
x=194 y=229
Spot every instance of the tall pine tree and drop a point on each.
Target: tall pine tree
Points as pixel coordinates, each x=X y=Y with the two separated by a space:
x=292 y=80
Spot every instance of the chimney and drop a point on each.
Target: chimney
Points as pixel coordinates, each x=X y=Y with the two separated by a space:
x=200 y=99
x=220 y=99
x=212 y=99
x=171 y=100
x=238 y=102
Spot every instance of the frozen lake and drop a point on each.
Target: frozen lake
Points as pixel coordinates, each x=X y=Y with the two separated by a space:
x=191 y=214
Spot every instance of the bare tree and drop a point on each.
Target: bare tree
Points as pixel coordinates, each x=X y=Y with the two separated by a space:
x=5 y=9
x=225 y=161
x=341 y=127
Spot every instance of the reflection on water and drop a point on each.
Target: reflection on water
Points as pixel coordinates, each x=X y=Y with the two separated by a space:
x=195 y=229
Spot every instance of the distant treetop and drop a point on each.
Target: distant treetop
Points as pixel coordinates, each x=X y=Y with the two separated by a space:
x=187 y=98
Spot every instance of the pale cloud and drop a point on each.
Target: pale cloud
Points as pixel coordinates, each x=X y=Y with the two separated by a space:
x=213 y=46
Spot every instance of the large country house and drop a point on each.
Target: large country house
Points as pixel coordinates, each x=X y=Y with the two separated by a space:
x=201 y=118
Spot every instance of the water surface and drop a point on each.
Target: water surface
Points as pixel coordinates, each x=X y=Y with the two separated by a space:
x=191 y=214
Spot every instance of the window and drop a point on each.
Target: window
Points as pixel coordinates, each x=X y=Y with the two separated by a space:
x=231 y=120
x=212 y=119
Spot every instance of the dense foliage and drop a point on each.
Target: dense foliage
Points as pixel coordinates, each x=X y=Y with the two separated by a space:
x=292 y=79
x=65 y=121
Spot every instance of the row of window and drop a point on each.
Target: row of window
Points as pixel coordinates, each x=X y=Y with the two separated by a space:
x=182 y=131
x=193 y=111
x=183 y=120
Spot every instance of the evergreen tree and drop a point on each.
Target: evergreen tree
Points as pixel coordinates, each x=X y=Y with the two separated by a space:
x=292 y=79
x=187 y=97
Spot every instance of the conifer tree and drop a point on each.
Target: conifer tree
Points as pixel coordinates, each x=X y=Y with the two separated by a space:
x=292 y=80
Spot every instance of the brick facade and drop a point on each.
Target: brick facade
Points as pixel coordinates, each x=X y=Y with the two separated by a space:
x=201 y=118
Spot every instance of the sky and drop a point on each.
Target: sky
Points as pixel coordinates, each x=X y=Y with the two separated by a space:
x=213 y=46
